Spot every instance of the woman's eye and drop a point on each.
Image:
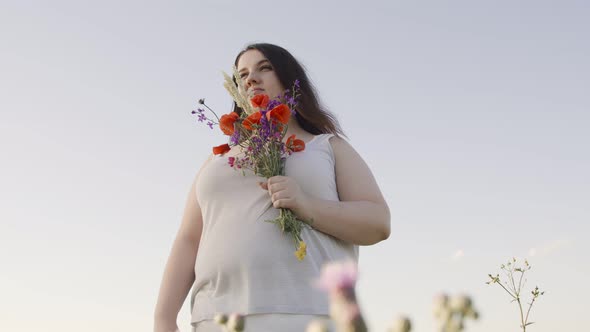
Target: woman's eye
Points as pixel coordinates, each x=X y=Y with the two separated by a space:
x=266 y=67
x=243 y=75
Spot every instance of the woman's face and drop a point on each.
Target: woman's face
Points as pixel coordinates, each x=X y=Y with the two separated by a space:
x=258 y=75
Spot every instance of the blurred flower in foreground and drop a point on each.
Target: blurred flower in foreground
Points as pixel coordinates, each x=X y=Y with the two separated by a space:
x=220 y=319
x=338 y=275
x=339 y=280
x=233 y=323
x=236 y=322
x=401 y=324
x=451 y=312
x=317 y=325
x=440 y=304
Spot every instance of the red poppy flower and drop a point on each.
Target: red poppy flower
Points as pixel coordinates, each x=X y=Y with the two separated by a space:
x=260 y=100
x=221 y=149
x=226 y=123
x=294 y=144
x=281 y=112
x=252 y=119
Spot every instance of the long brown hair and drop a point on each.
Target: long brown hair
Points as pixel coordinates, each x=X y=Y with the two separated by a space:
x=310 y=115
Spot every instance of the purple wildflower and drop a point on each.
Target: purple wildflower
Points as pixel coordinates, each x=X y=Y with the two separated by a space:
x=235 y=138
x=297 y=83
x=272 y=104
x=264 y=130
x=258 y=146
x=202 y=118
x=210 y=124
x=231 y=161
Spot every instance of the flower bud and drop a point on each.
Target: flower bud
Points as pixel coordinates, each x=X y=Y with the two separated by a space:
x=440 y=303
x=460 y=304
x=236 y=322
x=317 y=325
x=455 y=326
x=220 y=318
x=471 y=313
x=444 y=316
x=401 y=324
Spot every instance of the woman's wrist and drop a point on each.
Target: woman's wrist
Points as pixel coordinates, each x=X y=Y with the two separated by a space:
x=303 y=211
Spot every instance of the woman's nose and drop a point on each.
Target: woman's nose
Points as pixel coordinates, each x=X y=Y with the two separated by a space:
x=252 y=78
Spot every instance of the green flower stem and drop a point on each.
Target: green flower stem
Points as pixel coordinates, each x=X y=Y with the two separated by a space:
x=520 y=280
x=499 y=283
x=511 y=275
x=515 y=290
x=528 y=311
x=209 y=108
x=521 y=315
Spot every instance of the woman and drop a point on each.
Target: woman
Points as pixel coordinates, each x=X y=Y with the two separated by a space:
x=239 y=263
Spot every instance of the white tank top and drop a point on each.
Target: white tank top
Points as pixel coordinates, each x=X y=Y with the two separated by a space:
x=247 y=265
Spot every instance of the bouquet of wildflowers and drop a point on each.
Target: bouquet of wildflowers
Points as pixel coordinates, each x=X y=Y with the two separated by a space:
x=260 y=131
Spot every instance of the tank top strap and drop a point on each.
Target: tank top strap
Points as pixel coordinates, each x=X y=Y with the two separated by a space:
x=321 y=139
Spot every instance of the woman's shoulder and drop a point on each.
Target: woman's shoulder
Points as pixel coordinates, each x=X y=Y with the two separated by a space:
x=337 y=141
x=203 y=165
x=342 y=148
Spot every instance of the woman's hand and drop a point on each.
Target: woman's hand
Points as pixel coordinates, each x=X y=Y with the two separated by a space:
x=285 y=192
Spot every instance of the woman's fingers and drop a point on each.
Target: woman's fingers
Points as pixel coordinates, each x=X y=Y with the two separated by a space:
x=273 y=187
x=282 y=191
x=277 y=179
x=282 y=203
x=276 y=187
x=271 y=190
x=283 y=194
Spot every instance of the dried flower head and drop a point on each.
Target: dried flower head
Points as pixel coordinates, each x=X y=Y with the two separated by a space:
x=237 y=92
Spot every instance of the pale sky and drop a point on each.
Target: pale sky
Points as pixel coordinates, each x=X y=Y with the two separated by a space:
x=473 y=117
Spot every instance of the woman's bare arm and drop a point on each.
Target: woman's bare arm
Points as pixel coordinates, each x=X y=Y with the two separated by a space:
x=361 y=216
x=179 y=274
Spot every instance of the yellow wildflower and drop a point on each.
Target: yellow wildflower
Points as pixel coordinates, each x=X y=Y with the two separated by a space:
x=301 y=251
